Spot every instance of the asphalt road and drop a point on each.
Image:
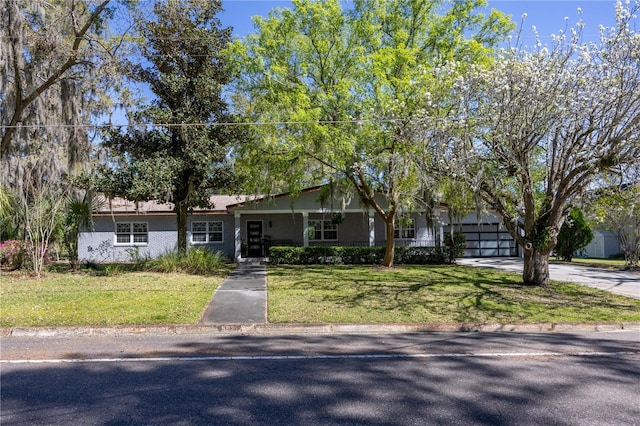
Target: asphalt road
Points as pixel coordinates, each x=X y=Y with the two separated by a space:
x=422 y=378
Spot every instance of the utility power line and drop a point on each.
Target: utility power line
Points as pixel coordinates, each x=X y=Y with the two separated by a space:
x=254 y=123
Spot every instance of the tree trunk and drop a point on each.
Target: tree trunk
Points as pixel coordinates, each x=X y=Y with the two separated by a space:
x=390 y=251
x=536 y=268
x=181 y=217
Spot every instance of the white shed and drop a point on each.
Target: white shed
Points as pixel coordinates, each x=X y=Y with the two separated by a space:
x=603 y=245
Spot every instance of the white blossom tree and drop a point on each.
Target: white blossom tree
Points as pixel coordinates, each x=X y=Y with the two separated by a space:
x=533 y=131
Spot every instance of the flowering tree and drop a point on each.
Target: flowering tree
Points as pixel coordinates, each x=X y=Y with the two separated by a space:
x=534 y=130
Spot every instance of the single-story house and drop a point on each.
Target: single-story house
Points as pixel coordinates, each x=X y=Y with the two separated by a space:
x=243 y=228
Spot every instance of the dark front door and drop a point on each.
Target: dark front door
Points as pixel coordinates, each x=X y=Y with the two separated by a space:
x=255 y=246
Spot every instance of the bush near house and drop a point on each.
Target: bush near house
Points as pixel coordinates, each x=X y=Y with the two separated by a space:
x=279 y=255
x=574 y=235
x=454 y=245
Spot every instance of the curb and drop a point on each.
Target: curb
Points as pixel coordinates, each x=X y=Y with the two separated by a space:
x=288 y=329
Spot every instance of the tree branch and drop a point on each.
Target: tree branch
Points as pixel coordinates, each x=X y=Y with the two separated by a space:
x=23 y=102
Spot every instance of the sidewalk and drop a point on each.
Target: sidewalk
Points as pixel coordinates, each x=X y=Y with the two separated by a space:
x=241 y=299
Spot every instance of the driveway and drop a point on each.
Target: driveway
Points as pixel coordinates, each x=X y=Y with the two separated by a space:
x=626 y=283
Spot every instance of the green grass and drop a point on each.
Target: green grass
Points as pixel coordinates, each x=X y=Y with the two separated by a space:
x=307 y=294
x=598 y=263
x=120 y=297
x=362 y=294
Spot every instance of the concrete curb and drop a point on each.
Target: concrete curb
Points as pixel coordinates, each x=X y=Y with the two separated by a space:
x=288 y=329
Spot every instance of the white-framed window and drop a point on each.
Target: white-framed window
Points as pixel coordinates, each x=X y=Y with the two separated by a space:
x=405 y=229
x=206 y=232
x=323 y=230
x=132 y=233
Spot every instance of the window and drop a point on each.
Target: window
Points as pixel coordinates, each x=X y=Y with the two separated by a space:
x=405 y=229
x=206 y=232
x=323 y=230
x=134 y=233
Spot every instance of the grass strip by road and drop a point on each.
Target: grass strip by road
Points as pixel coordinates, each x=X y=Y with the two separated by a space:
x=408 y=294
x=593 y=262
x=65 y=299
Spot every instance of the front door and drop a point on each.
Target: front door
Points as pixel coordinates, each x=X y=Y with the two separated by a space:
x=255 y=247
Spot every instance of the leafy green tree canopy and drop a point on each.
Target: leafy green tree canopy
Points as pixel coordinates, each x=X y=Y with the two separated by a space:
x=616 y=208
x=175 y=152
x=340 y=88
x=574 y=235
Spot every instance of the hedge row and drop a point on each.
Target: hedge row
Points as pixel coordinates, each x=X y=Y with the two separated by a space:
x=356 y=255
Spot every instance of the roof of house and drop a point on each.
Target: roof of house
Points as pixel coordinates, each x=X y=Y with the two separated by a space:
x=260 y=198
x=121 y=206
x=221 y=204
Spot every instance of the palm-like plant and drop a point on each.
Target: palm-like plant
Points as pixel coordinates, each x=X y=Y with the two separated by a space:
x=77 y=216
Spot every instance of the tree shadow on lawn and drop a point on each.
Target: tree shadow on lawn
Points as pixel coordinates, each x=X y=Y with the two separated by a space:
x=456 y=293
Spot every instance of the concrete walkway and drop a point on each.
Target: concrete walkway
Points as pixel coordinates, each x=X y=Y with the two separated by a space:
x=625 y=283
x=241 y=299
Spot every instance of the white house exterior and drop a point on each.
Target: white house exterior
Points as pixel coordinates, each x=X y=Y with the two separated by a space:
x=240 y=228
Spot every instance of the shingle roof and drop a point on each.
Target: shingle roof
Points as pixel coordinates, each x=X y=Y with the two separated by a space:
x=122 y=206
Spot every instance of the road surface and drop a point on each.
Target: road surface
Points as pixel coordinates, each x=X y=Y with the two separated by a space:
x=378 y=379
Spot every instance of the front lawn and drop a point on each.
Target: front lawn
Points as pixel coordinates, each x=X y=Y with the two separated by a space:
x=58 y=299
x=308 y=294
x=408 y=294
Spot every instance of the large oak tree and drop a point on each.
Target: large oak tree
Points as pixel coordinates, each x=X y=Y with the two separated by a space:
x=174 y=151
x=51 y=57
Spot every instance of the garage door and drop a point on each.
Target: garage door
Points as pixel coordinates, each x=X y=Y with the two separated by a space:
x=487 y=240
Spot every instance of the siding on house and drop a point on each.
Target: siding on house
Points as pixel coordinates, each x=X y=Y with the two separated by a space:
x=603 y=245
x=283 y=220
x=99 y=243
x=227 y=244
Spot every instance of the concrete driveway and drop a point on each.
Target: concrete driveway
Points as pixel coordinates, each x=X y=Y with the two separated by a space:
x=626 y=283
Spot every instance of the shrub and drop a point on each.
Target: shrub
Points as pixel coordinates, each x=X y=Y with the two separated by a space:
x=285 y=255
x=12 y=254
x=362 y=255
x=112 y=269
x=199 y=261
x=203 y=262
x=420 y=255
x=574 y=235
x=353 y=255
x=16 y=254
x=454 y=246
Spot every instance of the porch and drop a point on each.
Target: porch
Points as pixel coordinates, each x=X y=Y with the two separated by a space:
x=256 y=232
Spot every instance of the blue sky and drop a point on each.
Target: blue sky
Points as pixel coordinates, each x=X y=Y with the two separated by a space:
x=547 y=15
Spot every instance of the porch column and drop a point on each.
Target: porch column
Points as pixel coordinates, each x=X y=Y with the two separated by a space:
x=305 y=229
x=372 y=229
x=238 y=241
x=441 y=234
